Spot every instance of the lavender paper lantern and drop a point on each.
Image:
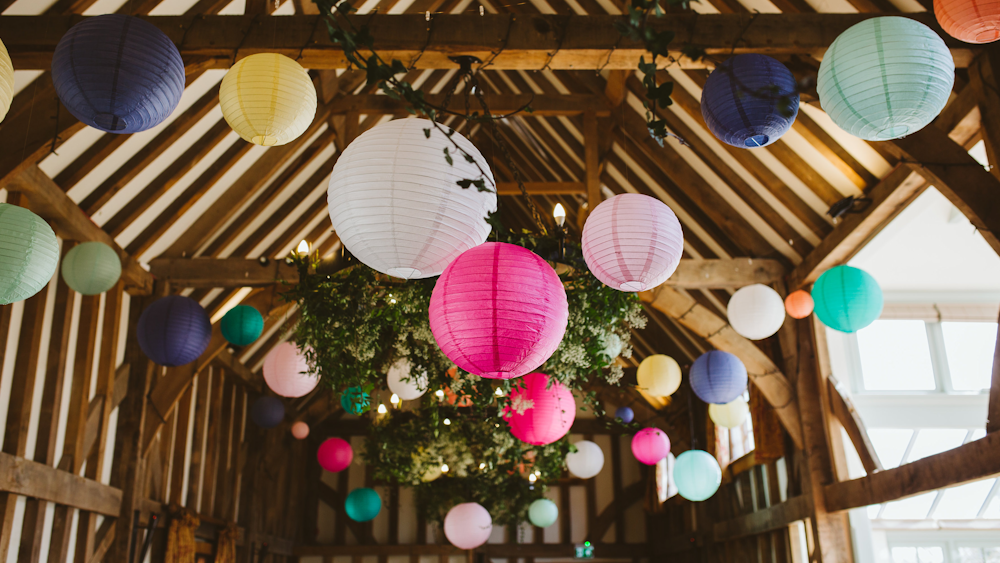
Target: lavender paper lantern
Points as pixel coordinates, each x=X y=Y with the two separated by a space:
x=632 y=242
x=174 y=330
x=498 y=311
x=118 y=73
x=286 y=371
x=540 y=412
x=335 y=455
x=749 y=101
x=650 y=445
x=625 y=414
x=267 y=411
x=718 y=377
x=468 y=525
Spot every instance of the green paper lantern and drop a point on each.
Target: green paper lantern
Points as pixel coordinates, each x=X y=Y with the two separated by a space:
x=543 y=513
x=847 y=299
x=354 y=400
x=242 y=325
x=697 y=475
x=363 y=505
x=29 y=253
x=91 y=268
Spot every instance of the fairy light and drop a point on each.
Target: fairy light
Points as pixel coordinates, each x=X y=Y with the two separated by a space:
x=447 y=422
x=538 y=473
x=392 y=300
x=482 y=466
x=498 y=392
x=532 y=478
x=303 y=248
x=444 y=468
x=382 y=409
x=394 y=399
x=439 y=393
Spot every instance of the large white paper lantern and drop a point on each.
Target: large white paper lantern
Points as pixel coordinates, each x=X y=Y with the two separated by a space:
x=586 y=461
x=268 y=99
x=885 y=78
x=756 y=311
x=396 y=204
x=403 y=383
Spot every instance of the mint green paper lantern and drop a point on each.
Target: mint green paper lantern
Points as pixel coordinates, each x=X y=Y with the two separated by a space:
x=29 y=253
x=847 y=299
x=91 y=268
x=697 y=475
x=543 y=513
x=363 y=505
x=242 y=325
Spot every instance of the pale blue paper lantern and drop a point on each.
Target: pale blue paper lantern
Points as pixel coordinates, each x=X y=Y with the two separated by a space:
x=91 y=268
x=543 y=513
x=697 y=475
x=29 y=253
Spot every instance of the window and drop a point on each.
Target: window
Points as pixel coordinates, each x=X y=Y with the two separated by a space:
x=969 y=347
x=896 y=356
x=952 y=547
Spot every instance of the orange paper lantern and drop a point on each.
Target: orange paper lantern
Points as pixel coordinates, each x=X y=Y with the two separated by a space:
x=972 y=21
x=799 y=304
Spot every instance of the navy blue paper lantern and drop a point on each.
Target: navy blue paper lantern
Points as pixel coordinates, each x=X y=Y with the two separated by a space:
x=749 y=101
x=625 y=414
x=267 y=411
x=117 y=73
x=718 y=377
x=174 y=330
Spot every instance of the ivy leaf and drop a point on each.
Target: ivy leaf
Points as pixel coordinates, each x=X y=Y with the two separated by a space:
x=427 y=133
x=448 y=158
x=693 y=52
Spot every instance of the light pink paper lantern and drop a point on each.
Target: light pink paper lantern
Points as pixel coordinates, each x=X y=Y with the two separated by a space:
x=335 y=455
x=468 y=525
x=540 y=413
x=650 y=445
x=632 y=242
x=300 y=430
x=498 y=311
x=286 y=371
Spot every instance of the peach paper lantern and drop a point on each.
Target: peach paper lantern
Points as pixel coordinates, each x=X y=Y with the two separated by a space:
x=540 y=412
x=286 y=371
x=300 y=430
x=799 y=304
x=972 y=21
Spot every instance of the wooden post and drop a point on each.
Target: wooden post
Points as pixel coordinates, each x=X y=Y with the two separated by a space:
x=591 y=149
x=993 y=414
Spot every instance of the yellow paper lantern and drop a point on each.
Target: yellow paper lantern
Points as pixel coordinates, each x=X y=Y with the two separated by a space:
x=268 y=99
x=6 y=81
x=659 y=375
x=729 y=415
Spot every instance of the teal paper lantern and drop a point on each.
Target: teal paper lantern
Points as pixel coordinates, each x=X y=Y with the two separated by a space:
x=242 y=325
x=354 y=400
x=29 y=253
x=847 y=299
x=697 y=475
x=91 y=268
x=363 y=505
x=543 y=513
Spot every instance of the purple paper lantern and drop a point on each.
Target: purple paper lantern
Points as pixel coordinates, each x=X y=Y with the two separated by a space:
x=174 y=330
x=718 y=377
x=626 y=414
x=750 y=101
x=539 y=412
x=650 y=445
x=498 y=311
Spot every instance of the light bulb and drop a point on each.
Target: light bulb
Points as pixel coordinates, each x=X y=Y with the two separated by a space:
x=382 y=409
x=532 y=478
x=447 y=422
x=444 y=468
x=498 y=392
x=439 y=393
x=303 y=248
x=482 y=466
x=538 y=473
x=559 y=213
x=394 y=399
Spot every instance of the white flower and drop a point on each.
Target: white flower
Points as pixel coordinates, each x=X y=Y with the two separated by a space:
x=519 y=404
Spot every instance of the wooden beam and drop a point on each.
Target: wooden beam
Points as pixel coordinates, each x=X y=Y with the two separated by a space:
x=772 y=518
x=542 y=188
x=591 y=159
x=725 y=273
x=849 y=418
x=500 y=104
x=993 y=412
x=528 y=42
x=31 y=479
x=499 y=550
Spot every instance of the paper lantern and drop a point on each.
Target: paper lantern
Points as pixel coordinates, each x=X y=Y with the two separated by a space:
x=468 y=525
x=543 y=513
x=6 y=81
x=718 y=377
x=404 y=384
x=91 y=268
x=242 y=325
x=335 y=455
x=885 y=78
x=300 y=430
x=395 y=202
x=749 y=101
x=659 y=375
x=586 y=461
x=267 y=411
x=498 y=311
x=847 y=299
x=697 y=475
x=650 y=445
x=729 y=415
x=354 y=400
x=799 y=304
x=756 y=311
x=632 y=242
x=29 y=253
x=625 y=414
x=174 y=330
x=268 y=99
x=118 y=73
x=541 y=410
x=972 y=21
x=286 y=371
x=362 y=504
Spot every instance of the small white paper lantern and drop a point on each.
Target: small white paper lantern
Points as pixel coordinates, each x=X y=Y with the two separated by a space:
x=402 y=383
x=756 y=311
x=586 y=461
x=396 y=204
x=729 y=415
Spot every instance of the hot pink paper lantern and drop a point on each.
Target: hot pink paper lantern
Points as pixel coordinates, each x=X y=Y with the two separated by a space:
x=540 y=413
x=468 y=525
x=286 y=371
x=335 y=455
x=498 y=311
x=650 y=445
x=632 y=242
x=300 y=430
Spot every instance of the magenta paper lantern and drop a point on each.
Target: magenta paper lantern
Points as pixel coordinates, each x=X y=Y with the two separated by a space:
x=300 y=430
x=286 y=371
x=632 y=242
x=650 y=445
x=468 y=525
x=540 y=413
x=335 y=455
x=498 y=311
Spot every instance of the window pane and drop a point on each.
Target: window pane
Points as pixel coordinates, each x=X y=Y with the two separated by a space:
x=970 y=555
x=895 y=356
x=930 y=554
x=970 y=347
x=992 y=554
x=904 y=555
x=890 y=444
x=962 y=502
x=993 y=512
x=932 y=441
x=913 y=508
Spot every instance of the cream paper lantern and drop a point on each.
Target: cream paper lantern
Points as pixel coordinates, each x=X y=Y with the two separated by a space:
x=756 y=311
x=729 y=415
x=268 y=99
x=401 y=382
x=586 y=461
x=659 y=375
x=6 y=81
x=396 y=204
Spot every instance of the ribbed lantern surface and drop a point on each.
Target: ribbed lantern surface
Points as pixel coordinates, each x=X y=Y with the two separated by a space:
x=118 y=73
x=242 y=325
x=756 y=311
x=972 y=21
x=174 y=330
x=29 y=253
x=498 y=311
x=91 y=268
x=847 y=299
x=540 y=413
x=395 y=202
x=718 y=377
x=286 y=371
x=268 y=99
x=6 y=81
x=885 y=78
x=632 y=242
x=650 y=445
x=749 y=101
